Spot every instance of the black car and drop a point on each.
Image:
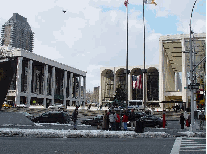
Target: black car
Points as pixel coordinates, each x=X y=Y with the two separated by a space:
x=97 y=120
x=152 y=121
x=53 y=117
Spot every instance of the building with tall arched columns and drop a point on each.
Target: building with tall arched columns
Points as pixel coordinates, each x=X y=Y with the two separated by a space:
x=111 y=77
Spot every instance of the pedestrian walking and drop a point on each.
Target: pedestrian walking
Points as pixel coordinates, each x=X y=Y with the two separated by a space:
x=182 y=119
x=125 y=120
x=74 y=118
x=105 y=121
x=132 y=119
x=112 y=119
x=189 y=120
x=202 y=119
x=117 y=121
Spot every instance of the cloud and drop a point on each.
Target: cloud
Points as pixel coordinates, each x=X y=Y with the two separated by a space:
x=87 y=38
x=46 y=51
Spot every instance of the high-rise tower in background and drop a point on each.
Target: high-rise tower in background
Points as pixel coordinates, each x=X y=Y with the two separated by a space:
x=17 y=32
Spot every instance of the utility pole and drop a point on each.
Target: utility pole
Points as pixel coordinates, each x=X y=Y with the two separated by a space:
x=191 y=77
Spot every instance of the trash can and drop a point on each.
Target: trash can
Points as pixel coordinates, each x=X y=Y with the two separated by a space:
x=139 y=126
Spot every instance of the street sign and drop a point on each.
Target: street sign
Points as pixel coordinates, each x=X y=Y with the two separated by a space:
x=194 y=86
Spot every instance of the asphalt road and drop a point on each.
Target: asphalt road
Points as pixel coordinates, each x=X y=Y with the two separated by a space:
x=86 y=145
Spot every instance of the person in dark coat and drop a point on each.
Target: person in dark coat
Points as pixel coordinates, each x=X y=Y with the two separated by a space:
x=105 y=121
x=74 y=118
x=189 y=120
x=182 y=119
x=132 y=119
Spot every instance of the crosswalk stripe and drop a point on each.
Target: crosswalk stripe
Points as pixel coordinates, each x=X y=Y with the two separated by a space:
x=194 y=146
x=176 y=146
x=188 y=144
x=194 y=150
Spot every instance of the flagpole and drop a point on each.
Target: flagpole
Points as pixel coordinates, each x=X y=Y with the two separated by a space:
x=144 y=86
x=127 y=57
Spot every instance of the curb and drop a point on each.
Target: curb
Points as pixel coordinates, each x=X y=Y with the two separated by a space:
x=51 y=133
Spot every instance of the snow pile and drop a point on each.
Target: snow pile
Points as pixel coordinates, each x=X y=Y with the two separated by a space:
x=51 y=133
x=191 y=134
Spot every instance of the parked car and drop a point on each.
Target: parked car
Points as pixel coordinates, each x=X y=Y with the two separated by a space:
x=57 y=106
x=152 y=121
x=97 y=120
x=29 y=116
x=6 y=105
x=21 y=106
x=53 y=117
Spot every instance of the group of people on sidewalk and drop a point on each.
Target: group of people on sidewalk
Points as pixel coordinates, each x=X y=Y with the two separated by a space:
x=113 y=120
x=188 y=120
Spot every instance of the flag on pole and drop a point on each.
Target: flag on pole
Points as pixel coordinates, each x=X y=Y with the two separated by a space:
x=134 y=81
x=150 y=2
x=126 y=3
x=140 y=82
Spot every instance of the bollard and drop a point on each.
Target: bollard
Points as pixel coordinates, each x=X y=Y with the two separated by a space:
x=163 y=119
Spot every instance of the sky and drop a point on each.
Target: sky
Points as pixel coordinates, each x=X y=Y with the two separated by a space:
x=92 y=33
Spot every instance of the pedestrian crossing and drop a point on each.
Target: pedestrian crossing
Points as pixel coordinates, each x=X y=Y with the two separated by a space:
x=189 y=145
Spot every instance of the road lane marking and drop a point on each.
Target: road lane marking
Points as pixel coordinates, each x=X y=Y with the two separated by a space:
x=176 y=146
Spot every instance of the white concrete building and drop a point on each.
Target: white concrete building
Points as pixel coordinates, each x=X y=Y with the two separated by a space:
x=175 y=60
x=43 y=80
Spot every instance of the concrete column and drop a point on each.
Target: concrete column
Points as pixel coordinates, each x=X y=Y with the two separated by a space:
x=71 y=85
x=64 y=88
x=45 y=85
x=114 y=81
x=18 y=80
x=79 y=91
x=161 y=73
x=71 y=88
x=53 y=85
x=176 y=81
x=146 y=88
x=75 y=86
x=84 y=89
x=29 y=79
x=184 y=74
x=129 y=87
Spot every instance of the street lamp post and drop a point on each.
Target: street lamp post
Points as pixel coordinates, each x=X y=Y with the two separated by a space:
x=191 y=76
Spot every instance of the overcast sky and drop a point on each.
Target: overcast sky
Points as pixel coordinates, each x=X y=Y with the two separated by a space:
x=92 y=33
